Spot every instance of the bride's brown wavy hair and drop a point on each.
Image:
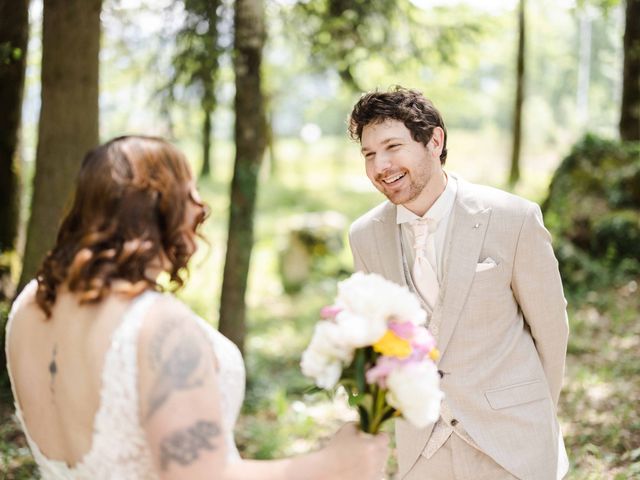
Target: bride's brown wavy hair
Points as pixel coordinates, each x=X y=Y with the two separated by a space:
x=128 y=215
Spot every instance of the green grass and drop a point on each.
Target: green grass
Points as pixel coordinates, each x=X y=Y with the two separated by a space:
x=281 y=416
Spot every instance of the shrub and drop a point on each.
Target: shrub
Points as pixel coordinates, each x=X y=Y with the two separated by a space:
x=593 y=211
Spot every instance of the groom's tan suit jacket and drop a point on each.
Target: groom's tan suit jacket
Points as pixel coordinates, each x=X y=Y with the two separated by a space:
x=503 y=330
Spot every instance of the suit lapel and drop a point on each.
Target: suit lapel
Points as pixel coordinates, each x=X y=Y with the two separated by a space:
x=388 y=244
x=465 y=242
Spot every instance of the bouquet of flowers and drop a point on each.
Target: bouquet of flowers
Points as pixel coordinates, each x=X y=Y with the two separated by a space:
x=373 y=342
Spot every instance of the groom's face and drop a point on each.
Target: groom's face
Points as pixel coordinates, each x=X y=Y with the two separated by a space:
x=397 y=165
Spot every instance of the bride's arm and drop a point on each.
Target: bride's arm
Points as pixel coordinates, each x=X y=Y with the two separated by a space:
x=180 y=412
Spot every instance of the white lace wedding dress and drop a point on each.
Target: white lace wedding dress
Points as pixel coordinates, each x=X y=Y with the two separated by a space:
x=119 y=450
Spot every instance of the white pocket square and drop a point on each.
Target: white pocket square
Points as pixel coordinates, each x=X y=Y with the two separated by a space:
x=487 y=264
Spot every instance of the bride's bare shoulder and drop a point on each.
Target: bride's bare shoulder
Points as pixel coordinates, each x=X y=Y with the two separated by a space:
x=25 y=299
x=167 y=306
x=25 y=307
x=167 y=316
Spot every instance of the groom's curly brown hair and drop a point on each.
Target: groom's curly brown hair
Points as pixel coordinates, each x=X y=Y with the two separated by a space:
x=128 y=215
x=410 y=107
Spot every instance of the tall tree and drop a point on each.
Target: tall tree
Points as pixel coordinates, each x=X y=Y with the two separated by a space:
x=68 y=124
x=250 y=140
x=514 y=173
x=14 y=35
x=196 y=63
x=630 y=112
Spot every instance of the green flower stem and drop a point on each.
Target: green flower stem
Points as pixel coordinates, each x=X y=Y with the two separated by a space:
x=379 y=409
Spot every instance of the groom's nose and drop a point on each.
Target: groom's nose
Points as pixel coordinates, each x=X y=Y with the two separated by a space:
x=382 y=163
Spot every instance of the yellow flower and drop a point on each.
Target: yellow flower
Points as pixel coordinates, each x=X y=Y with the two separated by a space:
x=434 y=354
x=391 y=345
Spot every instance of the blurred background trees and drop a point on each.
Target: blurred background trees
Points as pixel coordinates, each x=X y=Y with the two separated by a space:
x=68 y=125
x=630 y=110
x=14 y=34
x=196 y=63
x=514 y=172
x=250 y=140
x=228 y=81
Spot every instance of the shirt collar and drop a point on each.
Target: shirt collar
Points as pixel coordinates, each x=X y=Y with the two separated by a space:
x=440 y=208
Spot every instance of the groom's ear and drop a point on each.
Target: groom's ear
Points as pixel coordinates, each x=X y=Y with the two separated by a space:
x=436 y=142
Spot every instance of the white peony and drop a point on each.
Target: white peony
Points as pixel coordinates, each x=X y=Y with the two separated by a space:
x=329 y=340
x=326 y=354
x=414 y=391
x=358 y=331
x=323 y=369
x=372 y=297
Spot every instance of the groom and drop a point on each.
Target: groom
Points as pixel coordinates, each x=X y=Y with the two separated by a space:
x=482 y=263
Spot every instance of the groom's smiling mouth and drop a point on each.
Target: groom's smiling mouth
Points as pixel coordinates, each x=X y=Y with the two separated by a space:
x=393 y=178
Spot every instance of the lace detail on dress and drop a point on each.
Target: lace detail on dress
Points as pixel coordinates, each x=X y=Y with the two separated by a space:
x=119 y=449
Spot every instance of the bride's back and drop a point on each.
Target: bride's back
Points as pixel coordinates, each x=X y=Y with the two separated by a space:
x=56 y=365
x=72 y=334
x=134 y=214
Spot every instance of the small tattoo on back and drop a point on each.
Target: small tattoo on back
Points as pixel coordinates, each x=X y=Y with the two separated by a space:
x=53 y=367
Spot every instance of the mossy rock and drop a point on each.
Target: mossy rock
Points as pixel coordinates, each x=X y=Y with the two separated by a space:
x=618 y=234
x=593 y=209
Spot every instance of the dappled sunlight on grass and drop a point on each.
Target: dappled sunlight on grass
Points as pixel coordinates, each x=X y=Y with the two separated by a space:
x=16 y=462
x=599 y=406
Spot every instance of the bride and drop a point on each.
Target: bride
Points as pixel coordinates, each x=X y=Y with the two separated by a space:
x=113 y=379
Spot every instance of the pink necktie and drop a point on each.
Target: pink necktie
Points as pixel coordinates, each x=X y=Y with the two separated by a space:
x=424 y=267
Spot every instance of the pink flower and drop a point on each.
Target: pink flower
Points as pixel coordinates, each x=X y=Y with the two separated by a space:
x=423 y=341
x=381 y=370
x=405 y=330
x=330 y=312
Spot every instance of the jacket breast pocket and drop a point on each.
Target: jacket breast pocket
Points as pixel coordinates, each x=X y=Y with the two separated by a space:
x=517 y=394
x=490 y=283
x=488 y=270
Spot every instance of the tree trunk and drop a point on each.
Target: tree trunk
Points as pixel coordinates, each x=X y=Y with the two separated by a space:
x=584 y=67
x=514 y=174
x=206 y=143
x=250 y=140
x=68 y=117
x=630 y=112
x=14 y=35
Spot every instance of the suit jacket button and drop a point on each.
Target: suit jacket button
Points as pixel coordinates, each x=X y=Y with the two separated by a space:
x=454 y=422
x=441 y=373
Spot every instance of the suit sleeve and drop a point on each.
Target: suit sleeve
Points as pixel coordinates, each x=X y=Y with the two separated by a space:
x=538 y=290
x=358 y=261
